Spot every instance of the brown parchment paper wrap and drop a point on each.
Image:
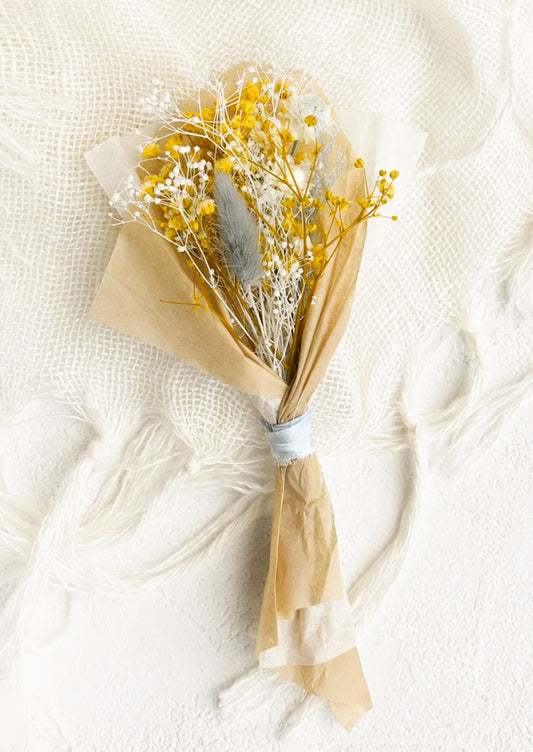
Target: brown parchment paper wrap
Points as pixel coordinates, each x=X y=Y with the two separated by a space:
x=304 y=585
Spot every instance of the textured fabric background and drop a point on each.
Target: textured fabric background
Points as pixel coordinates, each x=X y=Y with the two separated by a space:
x=115 y=454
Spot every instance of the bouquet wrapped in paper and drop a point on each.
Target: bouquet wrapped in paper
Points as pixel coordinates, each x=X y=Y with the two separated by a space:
x=243 y=218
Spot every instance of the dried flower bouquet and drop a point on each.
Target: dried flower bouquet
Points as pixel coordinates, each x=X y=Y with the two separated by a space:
x=242 y=188
x=242 y=228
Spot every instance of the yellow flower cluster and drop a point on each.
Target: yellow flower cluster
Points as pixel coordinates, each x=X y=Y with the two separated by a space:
x=381 y=194
x=151 y=151
x=270 y=137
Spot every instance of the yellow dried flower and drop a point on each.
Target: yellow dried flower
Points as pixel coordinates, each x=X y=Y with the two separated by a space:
x=253 y=91
x=148 y=188
x=359 y=163
x=225 y=164
x=342 y=203
x=247 y=106
x=177 y=222
x=206 y=207
x=208 y=113
x=248 y=122
x=151 y=151
x=173 y=143
x=287 y=135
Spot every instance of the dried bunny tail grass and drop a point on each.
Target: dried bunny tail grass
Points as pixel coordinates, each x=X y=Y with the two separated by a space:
x=238 y=231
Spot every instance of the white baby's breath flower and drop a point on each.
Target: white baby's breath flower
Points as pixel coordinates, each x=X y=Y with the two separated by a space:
x=308 y=106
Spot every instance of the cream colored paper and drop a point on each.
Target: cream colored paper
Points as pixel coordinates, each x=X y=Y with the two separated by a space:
x=304 y=621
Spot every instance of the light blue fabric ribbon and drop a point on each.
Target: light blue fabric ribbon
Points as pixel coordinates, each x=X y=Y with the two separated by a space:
x=292 y=440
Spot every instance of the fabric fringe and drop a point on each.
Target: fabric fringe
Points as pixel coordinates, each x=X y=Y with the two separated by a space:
x=103 y=503
x=480 y=428
x=248 y=691
x=367 y=593
x=78 y=577
x=47 y=541
x=514 y=269
x=298 y=716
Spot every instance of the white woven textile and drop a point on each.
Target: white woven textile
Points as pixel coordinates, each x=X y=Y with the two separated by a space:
x=458 y=262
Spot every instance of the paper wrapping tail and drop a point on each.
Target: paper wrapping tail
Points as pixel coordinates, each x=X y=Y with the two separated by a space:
x=305 y=627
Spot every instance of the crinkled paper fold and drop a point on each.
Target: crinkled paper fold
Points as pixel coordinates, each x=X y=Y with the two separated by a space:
x=305 y=627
